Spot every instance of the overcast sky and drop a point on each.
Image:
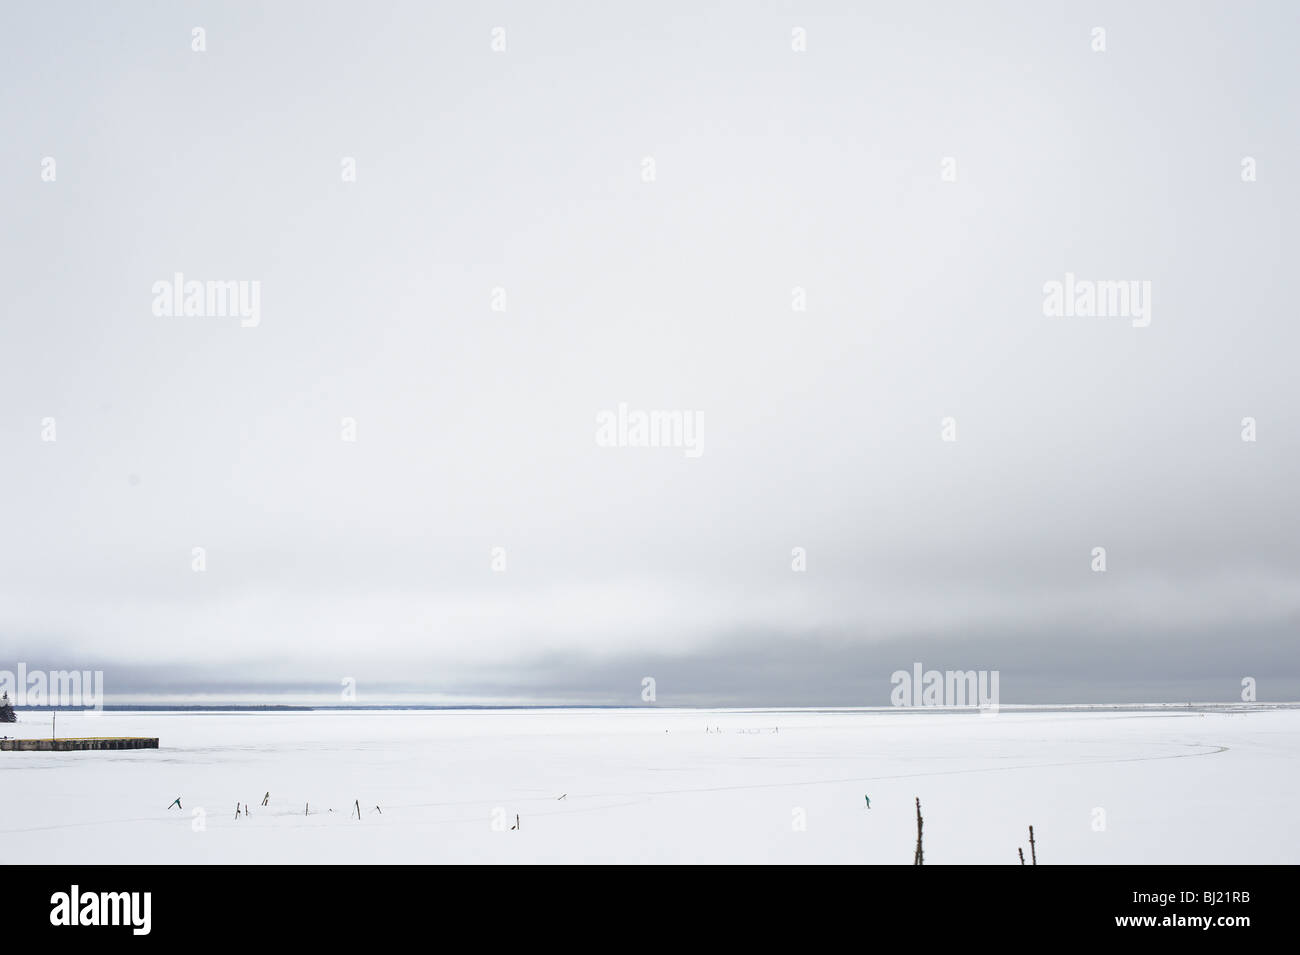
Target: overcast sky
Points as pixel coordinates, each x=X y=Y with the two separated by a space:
x=774 y=168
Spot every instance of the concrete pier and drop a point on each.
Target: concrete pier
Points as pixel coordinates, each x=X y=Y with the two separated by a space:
x=87 y=742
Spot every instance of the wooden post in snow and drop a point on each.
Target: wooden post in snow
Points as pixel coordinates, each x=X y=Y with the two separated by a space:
x=919 y=858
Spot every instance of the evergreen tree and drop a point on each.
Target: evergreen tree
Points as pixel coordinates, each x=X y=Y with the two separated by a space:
x=7 y=710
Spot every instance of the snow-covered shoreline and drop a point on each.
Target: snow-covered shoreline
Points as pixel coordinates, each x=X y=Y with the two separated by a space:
x=1164 y=783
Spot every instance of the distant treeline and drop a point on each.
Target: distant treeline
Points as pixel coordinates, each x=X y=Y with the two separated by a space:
x=807 y=710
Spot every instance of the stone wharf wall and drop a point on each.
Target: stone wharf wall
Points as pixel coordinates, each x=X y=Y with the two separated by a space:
x=65 y=745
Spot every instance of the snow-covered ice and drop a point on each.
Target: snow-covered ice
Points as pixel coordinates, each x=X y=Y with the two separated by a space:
x=1163 y=785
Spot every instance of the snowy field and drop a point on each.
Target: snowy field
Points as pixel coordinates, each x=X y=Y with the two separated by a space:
x=666 y=786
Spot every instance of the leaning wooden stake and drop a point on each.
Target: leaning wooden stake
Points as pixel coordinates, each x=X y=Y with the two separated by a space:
x=1022 y=856
x=919 y=858
x=1033 y=852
